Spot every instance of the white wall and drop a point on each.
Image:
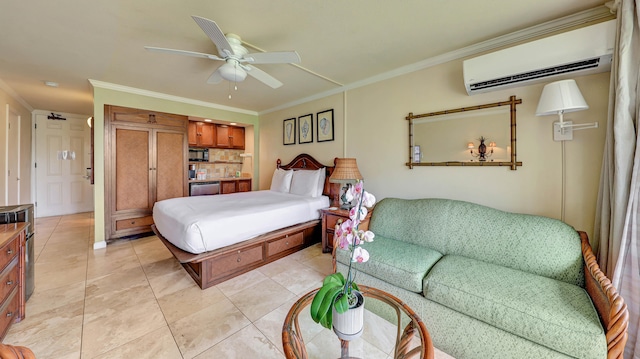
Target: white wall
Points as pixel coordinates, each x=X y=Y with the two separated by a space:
x=25 y=146
x=377 y=135
x=271 y=137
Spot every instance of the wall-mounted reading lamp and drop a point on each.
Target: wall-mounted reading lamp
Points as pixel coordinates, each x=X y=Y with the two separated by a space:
x=558 y=98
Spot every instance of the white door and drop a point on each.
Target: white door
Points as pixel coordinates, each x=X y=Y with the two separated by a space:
x=62 y=157
x=13 y=158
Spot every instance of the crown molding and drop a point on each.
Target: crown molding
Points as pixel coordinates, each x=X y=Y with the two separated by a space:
x=163 y=96
x=15 y=96
x=599 y=13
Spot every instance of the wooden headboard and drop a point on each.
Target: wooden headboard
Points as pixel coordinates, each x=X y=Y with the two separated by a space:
x=306 y=162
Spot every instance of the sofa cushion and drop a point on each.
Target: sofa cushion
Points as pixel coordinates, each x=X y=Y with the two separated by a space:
x=534 y=244
x=549 y=312
x=401 y=263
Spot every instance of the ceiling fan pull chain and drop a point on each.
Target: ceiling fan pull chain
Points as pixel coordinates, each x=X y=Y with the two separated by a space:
x=235 y=78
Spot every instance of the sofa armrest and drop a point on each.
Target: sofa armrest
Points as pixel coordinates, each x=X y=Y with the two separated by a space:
x=609 y=304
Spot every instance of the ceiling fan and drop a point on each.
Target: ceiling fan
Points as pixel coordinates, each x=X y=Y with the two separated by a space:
x=237 y=60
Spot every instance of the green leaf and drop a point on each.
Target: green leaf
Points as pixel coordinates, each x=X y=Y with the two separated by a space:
x=342 y=304
x=334 y=279
x=317 y=301
x=325 y=300
x=327 y=321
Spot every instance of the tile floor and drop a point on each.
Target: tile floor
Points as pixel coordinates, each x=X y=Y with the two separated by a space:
x=134 y=300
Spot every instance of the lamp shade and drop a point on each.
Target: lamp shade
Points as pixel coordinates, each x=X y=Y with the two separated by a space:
x=560 y=96
x=346 y=171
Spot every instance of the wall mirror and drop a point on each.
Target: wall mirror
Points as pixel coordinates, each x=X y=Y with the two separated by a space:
x=483 y=135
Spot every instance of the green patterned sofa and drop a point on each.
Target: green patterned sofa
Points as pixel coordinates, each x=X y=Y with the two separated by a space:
x=493 y=284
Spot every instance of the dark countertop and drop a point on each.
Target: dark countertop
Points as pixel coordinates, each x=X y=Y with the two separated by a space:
x=214 y=179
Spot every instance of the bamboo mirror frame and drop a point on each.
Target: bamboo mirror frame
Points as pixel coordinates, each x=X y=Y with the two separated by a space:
x=511 y=163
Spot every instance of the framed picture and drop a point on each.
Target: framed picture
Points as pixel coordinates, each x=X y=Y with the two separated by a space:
x=305 y=129
x=325 y=125
x=289 y=131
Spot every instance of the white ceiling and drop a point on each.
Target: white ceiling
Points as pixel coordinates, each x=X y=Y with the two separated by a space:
x=72 y=41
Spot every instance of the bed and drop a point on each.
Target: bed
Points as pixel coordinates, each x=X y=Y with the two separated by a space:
x=216 y=238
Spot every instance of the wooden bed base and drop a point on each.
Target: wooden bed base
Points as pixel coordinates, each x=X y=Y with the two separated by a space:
x=213 y=267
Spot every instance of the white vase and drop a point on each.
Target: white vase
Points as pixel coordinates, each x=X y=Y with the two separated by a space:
x=350 y=324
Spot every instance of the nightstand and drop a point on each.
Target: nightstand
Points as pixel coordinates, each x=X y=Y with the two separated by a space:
x=330 y=217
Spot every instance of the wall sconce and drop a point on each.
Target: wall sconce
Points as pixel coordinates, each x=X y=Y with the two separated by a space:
x=560 y=97
x=482 y=153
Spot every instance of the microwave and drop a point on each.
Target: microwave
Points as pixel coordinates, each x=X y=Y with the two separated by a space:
x=199 y=154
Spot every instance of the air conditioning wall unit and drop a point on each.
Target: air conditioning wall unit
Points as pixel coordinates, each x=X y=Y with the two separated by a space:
x=574 y=53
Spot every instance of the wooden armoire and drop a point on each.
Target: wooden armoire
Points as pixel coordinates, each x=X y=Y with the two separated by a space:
x=146 y=158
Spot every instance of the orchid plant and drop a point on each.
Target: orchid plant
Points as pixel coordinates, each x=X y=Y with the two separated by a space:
x=336 y=290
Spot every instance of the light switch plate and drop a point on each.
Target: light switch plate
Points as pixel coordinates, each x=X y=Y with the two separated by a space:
x=559 y=134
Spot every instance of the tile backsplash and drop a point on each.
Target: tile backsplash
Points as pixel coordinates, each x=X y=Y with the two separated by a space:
x=229 y=162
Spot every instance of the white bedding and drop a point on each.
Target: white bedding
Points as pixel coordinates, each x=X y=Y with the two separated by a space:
x=204 y=223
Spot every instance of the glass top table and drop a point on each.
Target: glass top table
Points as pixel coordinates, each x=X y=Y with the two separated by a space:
x=407 y=337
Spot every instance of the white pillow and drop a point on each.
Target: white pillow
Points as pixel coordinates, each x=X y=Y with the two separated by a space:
x=281 y=180
x=305 y=183
x=321 y=178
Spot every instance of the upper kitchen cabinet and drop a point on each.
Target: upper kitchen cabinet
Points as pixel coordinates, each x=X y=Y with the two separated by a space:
x=229 y=137
x=201 y=134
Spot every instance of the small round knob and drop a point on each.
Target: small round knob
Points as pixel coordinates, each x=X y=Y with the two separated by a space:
x=10 y=282
x=239 y=259
x=9 y=314
x=9 y=251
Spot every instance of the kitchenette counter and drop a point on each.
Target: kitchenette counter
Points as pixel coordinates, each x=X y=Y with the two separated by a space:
x=219 y=185
x=213 y=179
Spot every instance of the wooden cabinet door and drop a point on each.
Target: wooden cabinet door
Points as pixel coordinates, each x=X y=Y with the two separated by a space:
x=207 y=134
x=244 y=185
x=170 y=170
x=201 y=134
x=228 y=187
x=131 y=175
x=145 y=117
x=223 y=136
x=237 y=137
x=192 y=133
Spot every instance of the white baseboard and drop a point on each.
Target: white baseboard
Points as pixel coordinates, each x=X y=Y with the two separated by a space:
x=99 y=245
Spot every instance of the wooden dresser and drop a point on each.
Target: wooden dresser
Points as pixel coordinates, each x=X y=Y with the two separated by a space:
x=12 y=275
x=331 y=217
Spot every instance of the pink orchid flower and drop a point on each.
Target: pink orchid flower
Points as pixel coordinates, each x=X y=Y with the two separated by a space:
x=367 y=236
x=360 y=255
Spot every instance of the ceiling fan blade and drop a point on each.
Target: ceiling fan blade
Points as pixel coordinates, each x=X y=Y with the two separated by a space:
x=263 y=77
x=215 y=77
x=276 y=57
x=215 y=34
x=183 y=52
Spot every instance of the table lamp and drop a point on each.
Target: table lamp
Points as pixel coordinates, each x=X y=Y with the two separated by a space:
x=347 y=173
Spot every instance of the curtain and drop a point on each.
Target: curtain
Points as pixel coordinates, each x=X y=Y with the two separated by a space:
x=616 y=233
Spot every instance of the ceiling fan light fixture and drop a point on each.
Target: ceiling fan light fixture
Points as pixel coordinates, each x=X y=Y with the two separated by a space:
x=232 y=72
